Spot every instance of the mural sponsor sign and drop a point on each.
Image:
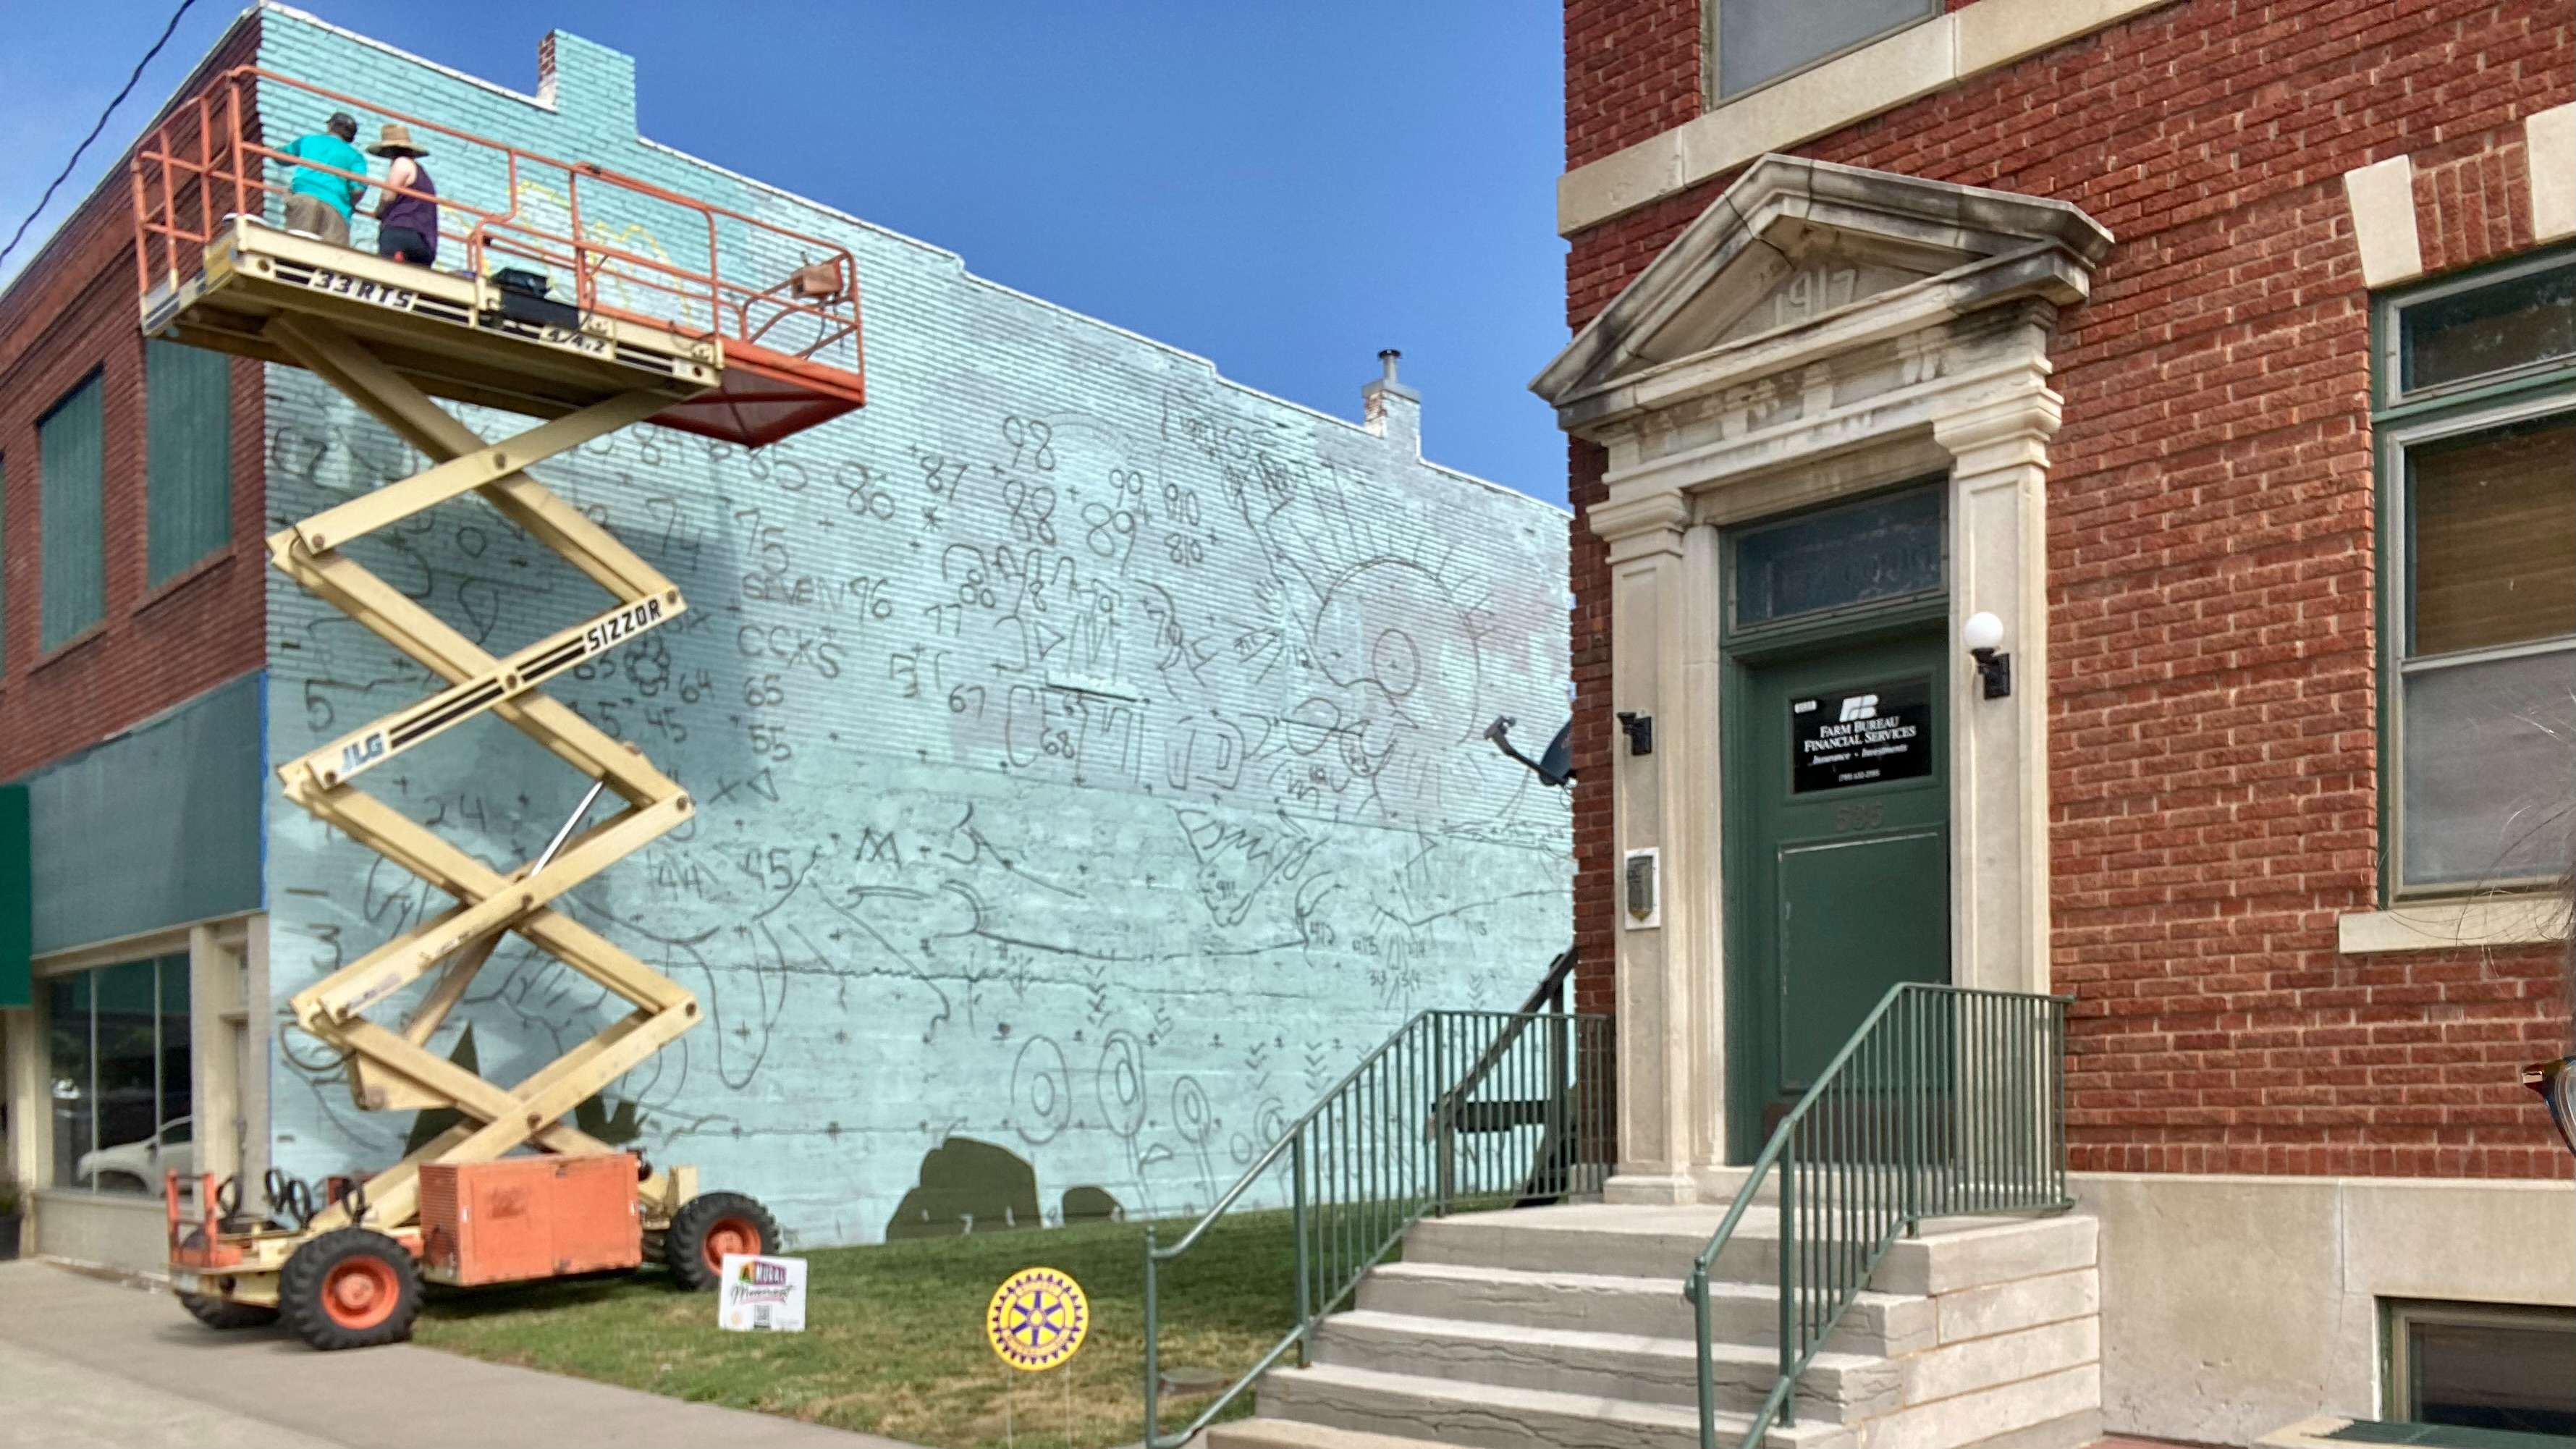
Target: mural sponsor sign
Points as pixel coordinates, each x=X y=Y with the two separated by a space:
x=761 y=1295
x=1037 y=1319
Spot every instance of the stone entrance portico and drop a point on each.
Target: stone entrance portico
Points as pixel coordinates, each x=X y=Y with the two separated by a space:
x=1820 y=331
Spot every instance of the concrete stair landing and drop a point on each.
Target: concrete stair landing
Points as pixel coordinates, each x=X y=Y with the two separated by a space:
x=1565 y=1328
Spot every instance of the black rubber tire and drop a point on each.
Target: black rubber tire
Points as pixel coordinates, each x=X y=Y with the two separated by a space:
x=302 y=1285
x=224 y=1313
x=684 y=1243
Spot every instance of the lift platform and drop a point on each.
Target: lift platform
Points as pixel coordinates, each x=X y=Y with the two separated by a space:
x=564 y=302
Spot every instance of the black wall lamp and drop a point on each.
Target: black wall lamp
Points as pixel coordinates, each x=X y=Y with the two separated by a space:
x=1640 y=730
x=1982 y=633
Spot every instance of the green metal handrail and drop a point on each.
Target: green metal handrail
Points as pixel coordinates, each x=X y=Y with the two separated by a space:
x=1455 y=1107
x=1946 y=1102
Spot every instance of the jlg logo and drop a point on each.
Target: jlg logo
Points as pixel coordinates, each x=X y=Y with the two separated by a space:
x=360 y=752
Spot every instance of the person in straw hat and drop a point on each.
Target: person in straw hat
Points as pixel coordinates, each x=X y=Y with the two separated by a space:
x=407 y=218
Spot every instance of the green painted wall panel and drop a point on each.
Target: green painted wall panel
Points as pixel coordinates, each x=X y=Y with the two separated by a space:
x=187 y=454
x=73 y=442
x=15 y=906
x=158 y=826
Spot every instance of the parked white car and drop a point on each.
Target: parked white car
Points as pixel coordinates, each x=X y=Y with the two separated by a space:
x=138 y=1166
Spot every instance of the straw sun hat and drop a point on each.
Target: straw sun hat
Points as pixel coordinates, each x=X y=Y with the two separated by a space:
x=395 y=141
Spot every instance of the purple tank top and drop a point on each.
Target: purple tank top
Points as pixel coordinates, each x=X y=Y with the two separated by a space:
x=417 y=213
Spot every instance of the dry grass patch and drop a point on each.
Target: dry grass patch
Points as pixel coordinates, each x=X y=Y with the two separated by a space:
x=894 y=1340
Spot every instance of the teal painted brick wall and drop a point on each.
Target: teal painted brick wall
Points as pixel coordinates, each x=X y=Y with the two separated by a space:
x=1086 y=747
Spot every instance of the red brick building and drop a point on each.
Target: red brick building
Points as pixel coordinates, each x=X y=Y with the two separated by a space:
x=133 y=643
x=161 y=632
x=2219 y=353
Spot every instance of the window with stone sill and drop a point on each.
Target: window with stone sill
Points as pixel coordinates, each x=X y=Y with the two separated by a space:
x=1751 y=43
x=2476 y=420
x=187 y=457
x=71 y=515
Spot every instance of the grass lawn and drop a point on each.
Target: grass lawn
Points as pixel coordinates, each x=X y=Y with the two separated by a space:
x=894 y=1335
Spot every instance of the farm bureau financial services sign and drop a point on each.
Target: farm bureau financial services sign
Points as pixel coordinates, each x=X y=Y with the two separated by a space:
x=1861 y=738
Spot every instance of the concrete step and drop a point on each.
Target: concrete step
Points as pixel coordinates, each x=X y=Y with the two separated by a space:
x=1835 y=1389
x=1293 y=1434
x=1720 y=1184
x=1744 y=1313
x=1492 y=1416
x=1627 y=1242
x=2057 y=1410
x=1963 y=1253
x=1657 y=1242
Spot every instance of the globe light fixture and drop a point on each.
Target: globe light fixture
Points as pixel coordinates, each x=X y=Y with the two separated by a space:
x=1983 y=633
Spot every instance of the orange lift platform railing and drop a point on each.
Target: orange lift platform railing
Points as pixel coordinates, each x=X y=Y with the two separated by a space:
x=564 y=304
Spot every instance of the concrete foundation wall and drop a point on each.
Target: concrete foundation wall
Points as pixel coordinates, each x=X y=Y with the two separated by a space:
x=97 y=1229
x=2235 y=1305
x=1086 y=748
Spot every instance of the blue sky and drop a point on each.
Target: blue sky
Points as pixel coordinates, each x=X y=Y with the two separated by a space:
x=1284 y=187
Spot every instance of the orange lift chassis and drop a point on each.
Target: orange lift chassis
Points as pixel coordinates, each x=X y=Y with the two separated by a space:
x=690 y=344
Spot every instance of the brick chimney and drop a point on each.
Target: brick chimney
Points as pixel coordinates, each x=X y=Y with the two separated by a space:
x=1392 y=410
x=588 y=84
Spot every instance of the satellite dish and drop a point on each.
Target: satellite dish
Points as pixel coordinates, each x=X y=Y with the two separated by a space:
x=1554 y=766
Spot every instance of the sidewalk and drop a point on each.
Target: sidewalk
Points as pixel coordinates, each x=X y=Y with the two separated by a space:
x=88 y=1362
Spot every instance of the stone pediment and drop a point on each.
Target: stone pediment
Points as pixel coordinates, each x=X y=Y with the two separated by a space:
x=1809 y=252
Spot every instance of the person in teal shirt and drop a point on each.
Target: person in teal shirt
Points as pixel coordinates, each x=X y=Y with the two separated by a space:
x=319 y=203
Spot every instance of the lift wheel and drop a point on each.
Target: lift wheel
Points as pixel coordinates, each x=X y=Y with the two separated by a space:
x=710 y=1226
x=350 y=1288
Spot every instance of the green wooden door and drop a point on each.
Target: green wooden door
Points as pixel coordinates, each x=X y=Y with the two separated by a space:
x=1838 y=773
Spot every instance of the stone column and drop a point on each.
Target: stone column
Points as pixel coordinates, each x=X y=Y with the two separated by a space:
x=1999 y=747
x=1663 y=641
x=26 y=1084
x=1694 y=886
x=216 y=1016
x=259 y=1019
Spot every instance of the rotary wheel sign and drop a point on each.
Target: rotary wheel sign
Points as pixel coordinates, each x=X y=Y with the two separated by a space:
x=1037 y=1319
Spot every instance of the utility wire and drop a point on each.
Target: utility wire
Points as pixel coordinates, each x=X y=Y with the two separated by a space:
x=65 y=174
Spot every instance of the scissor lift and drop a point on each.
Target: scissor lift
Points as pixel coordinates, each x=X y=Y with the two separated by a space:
x=540 y=318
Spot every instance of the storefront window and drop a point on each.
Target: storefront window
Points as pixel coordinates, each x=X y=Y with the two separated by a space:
x=67 y=1028
x=117 y=1054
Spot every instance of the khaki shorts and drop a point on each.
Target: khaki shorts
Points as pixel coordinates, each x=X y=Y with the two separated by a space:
x=320 y=218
